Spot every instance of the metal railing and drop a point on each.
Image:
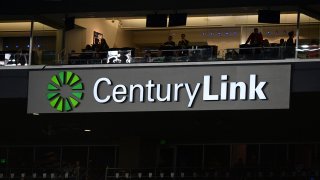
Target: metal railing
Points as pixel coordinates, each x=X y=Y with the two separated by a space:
x=40 y=173
x=259 y=53
x=150 y=56
x=162 y=173
x=167 y=55
x=61 y=56
x=193 y=55
x=211 y=173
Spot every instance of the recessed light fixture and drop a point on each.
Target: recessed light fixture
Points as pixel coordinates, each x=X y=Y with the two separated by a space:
x=36 y=114
x=87 y=130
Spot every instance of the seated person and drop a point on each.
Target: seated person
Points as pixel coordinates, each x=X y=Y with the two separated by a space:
x=148 y=56
x=282 y=42
x=88 y=48
x=232 y=55
x=73 y=57
x=265 y=43
x=87 y=53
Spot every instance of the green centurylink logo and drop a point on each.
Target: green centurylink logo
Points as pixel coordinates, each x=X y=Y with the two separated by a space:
x=65 y=90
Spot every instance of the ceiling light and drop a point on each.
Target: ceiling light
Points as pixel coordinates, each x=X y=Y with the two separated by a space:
x=87 y=130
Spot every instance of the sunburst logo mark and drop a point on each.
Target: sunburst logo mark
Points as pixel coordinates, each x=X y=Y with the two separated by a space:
x=65 y=81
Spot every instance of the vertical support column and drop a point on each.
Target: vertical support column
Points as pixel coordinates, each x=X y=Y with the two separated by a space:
x=88 y=160
x=259 y=155
x=7 y=157
x=297 y=34
x=34 y=156
x=115 y=164
x=60 y=158
x=203 y=156
x=157 y=157
x=175 y=157
x=59 y=43
x=230 y=155
x=148 y=149
x=319 y=38
x=129 y=152
x=238 y=154
x=1 y=44
x=64 y=52
x=243 y=34
x=287 y=155
x=31 y=42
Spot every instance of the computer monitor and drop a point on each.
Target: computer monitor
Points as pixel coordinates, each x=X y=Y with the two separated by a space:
x=69 y=23
x=269 y=16
x=119 y=56
x=9 y=59
x=156 y=20
x=7 y=56
x=177 y=19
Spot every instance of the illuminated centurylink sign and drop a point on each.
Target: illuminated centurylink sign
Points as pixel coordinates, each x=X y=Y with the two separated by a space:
x=160 y=89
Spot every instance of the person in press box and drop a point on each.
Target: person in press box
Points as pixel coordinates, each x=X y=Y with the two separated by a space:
x=183 y=43
x=167 y=49
x=255 y=39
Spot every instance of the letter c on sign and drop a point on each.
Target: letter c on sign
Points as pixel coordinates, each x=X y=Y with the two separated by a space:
x=96 y=87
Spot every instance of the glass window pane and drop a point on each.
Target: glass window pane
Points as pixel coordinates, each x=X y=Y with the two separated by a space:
x=3 y=157
x=102 y=157
x=273 y=155
x=48 y=157
x=166 y=157
x=217 y=156
x=252 y=155
x=189 y=156
x=72 y=155
x=20 y=157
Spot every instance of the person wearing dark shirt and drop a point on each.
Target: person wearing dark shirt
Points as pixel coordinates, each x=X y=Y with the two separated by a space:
x=167 y=49
x=281 y=49
x=96 y=45
x=255 y=38
x=169 y=42
x=281 y=42
x=147 y=56
x=86 y=55
x=290 y=46
x=183 y=42
x=103 y=45
x=290 y=39
x=103 y=48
